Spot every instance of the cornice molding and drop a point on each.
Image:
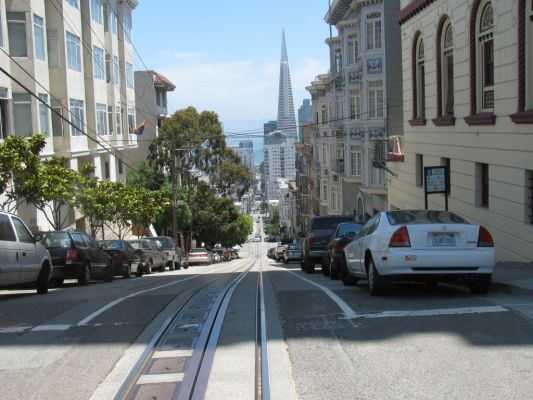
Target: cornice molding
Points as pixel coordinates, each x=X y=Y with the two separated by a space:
x=413 y=8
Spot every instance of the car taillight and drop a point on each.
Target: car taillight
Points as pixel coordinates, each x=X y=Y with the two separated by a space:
x=484 y=238
x=167 y=253
x=311 y=239
x=72 y=255
x=400 y=238
x=118 y=256
x=340 y=245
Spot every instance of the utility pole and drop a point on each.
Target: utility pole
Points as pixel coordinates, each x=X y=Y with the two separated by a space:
x=174 y=176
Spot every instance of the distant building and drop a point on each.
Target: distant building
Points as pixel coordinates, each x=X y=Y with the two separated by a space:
x=245 y=150
x=269 y=126
x=305 y=116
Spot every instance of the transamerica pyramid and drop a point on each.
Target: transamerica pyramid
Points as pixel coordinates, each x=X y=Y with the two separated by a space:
x=286 y=116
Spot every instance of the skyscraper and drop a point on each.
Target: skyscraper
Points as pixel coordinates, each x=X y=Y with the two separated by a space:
x=286 y=116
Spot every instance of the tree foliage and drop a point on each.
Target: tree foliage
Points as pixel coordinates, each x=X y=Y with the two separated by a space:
x=273 y=226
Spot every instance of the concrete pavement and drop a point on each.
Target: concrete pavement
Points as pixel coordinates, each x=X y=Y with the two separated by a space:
x=513 y=275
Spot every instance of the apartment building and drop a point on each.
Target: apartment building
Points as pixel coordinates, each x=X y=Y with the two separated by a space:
x=304 y=179
x=279 y=162
x=77 y=56
x=356 y=104
x=468 y=104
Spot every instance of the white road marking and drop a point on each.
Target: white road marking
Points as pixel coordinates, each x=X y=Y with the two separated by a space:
x=429 y=313
x=15 y=329
x=172 y=353
x=95 y=314
x=51 y=328
x=160 y=378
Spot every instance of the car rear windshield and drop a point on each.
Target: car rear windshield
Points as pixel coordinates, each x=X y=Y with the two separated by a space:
x=330 y=223
x=56 y=239
x=111 y=244
x=349 y=228
x=403 y=217
x=295 y=246
x=198 y=251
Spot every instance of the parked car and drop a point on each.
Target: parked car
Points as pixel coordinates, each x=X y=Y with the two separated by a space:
x=279 y=253
x=183 y=259
x=314 y=245
x=125 y=261
x=270 y=253
x=341 y=236
x=199 y=255
x=293 y=252
x=23 y=260
x=419 y=245
x=215 y=256
x=151 y=256
x=76 y=255
x=168 y=245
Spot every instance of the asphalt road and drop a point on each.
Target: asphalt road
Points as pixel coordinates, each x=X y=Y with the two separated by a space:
x=325 y=340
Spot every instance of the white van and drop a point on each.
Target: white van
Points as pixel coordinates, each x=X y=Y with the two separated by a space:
x=24 y=261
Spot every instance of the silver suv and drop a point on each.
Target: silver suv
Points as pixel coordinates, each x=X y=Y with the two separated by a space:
x=169 y=249
x=23 y=260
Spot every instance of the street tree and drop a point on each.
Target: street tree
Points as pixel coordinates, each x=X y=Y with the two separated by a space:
x=273 y=226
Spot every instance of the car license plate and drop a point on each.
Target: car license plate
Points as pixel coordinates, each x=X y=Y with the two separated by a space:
x=443 y=239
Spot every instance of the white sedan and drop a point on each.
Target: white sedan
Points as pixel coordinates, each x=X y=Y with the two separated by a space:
x=419 y=245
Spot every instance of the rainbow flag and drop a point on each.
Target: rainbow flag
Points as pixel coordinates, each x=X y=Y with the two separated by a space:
x=140 y=129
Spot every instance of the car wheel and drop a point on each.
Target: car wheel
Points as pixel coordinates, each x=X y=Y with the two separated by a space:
x=177 y=266
x=302 y=264
x=126 y=273
x=110 y=272
x=140 y=270
x=42 y=280
x=347 y=278
x=333 y=270
x=170 y=265
x=162 y=268
x=325 y=267
x=482 y=285
x=85 y=274
x=285 y=261
x=149 y=266
x=186 y=266
x=376 y=283
x=309 y=266
x=59 y=282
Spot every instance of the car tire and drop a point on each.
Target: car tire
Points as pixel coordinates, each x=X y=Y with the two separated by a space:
x=347 y=278
x=170 y=265
x=140 y=270
x=110 y=272
x=482 y=285
x=126 y=273
x=162 y=268
x=325 y=267
x=376 y=283
x=177 y=266
x=309 y=266
x=42 y=279
x=302 y=264
x=85 y=274
x=333 y=270
x=59 y=282
x=186 y=266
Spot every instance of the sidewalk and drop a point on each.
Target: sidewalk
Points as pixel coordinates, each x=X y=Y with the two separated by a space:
x=513 y=275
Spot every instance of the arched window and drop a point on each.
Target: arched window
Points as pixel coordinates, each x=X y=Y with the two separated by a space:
x=445 y=80
x=419 y=82
x=524 y=114
x=481 y=64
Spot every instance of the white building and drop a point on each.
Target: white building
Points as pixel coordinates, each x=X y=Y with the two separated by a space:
x=77 y=56
x=279 y=151
x=245 y=150
x=468 y=105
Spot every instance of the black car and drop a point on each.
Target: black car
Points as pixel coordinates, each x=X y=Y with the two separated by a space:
x=76 y=255
x=316 y=240
x=344 y=234
x=124 y=258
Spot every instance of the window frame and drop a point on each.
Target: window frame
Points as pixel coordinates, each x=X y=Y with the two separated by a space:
x=97 y=17
x=100 y=112
x=118 y=119
x=373 y=25
x=12 y=23
x=27 y=104
x=99 y=71
x=44 y=114
x=131 y=124
x=356 y=155
x=445 y=74
x=375 y=92
x=74 y=57
x=77 y=117
x=129 y=76
x=39 y=28
x=73 y=3
x=416 y=120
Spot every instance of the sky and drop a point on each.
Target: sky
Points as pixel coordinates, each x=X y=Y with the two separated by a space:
x=224 y=56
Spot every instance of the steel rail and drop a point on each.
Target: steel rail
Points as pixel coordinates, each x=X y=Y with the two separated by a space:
x=262 y=385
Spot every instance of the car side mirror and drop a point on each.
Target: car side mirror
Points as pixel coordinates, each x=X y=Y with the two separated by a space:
x=37 y=237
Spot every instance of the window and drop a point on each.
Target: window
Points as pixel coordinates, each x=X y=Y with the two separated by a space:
x=57 y=121
x=486 y=49
x=77 y=117
x=96 y=11
x=158 y=97
x=377 y=175
x=353 y=49
x=105 y=9
x=16 y=30
x=373 y=31
x=113 y=17
x=22 y=232
x=129 y=75
x=118 y=117
x=352 y=103
x=73 y=52
x=420 y=82
x=6 y=230
x=419 y=170
x=116 y=71
x=44 y=115
x=325 y=190
x=106 y=170
x=445 y=99
x=22 y=114
x=4 y=114
x=338 y=108
x=127 y=26
x=131 y=119
x=98 y=63
x=73 y=3
x=108 y=77
x=110 y=120
x=53 y=49
x=38 y=32
x=482 y=185
x=101 y=119
x=120 y=167
x=355 y=160
x=375 y=99
x=324 y=115
x=529 y=197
